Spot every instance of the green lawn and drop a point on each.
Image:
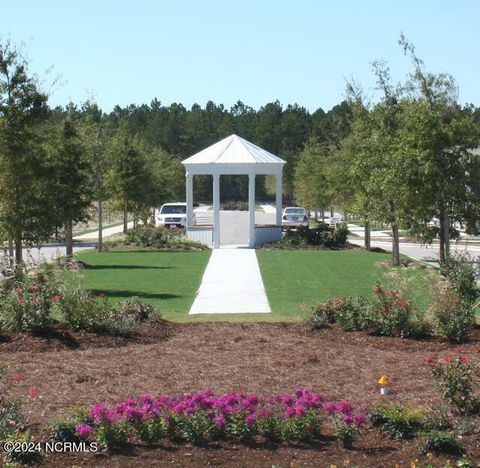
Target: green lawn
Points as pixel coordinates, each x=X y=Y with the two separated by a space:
x=296 y=277
x=169 y=280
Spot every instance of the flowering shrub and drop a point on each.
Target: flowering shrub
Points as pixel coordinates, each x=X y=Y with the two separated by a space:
x=391 y=314
x=349 y=312
x=84 y=311
x=203 y=417
x=454 y=379
x=13 y=427
x=387 y=314
x=27 y=307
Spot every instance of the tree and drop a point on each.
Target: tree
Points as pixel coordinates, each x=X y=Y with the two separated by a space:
x=438 y=135
x=95 y=136
x=130 y=177
x=25 y=212
x=312 y=183
x=70 y=180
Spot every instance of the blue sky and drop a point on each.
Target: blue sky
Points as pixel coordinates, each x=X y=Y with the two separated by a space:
x=123 y=52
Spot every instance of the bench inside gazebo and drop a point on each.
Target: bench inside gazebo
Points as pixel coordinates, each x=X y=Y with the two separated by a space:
x=234 y=156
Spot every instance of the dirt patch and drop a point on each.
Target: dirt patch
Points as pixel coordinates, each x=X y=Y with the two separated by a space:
x=257 y=357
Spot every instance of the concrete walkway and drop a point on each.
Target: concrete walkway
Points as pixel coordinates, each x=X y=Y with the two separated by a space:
x=93 y=236
x=232 y=283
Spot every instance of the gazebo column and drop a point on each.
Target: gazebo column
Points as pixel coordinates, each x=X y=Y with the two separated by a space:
x=251 y=210
x=189 y=199
x=216 y=211
x=278 y=198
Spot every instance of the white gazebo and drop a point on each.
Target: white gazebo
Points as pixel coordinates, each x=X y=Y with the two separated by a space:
x=234 y=155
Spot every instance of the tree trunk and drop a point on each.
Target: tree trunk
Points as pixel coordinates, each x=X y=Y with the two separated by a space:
x=441 y=235
x=367 y=234
x=11 y=250
x=332 y=212
x=18 y=251
x=100 y=226
x=316 y=214
x=125 y=216
x=446 y=236
x=395 y=244
x=69 y=238
x=322 y=215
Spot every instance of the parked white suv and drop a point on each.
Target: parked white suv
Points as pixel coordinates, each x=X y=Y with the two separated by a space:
x=173 y=215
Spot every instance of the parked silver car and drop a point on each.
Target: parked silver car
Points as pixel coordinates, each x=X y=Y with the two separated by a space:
x=295 y=216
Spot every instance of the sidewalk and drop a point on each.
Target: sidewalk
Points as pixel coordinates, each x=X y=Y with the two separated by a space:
x=232 y=283
x=93 y=236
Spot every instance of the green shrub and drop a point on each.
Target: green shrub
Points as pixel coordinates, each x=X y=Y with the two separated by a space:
x=462 y=273
x=65 y=431
x=399 y=421
x=125 y=316
x=443 y=442
x=161 y=238
x=453 y=317
x=83 y=311
x=340 y=235
x=304 y=237
x=235 y=205
x=322 y=315
x=151 y=431
x=111 y=436
x=197 y=428
x=27 y=456
x=352 y=313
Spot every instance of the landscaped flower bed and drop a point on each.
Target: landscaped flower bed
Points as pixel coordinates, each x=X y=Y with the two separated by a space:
x=203 y=417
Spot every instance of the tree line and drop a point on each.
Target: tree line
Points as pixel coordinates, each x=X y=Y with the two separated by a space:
x=410 y=160
x=403 y=160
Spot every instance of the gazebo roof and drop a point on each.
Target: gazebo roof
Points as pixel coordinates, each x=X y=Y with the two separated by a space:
x=233 y=150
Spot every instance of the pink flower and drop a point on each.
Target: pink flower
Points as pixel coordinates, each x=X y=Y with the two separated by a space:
x=57 y=298
x=432 y=359
x=251 y=419
x=83 y=430
x=344 y=407
x=329 y=408
x=101 y=414
x=101 y=295
x=463 y=359
x=447 y=359
x=359 y=419
x=32 y=392
x=348 y=419
x=20 y=300
x=219 y=421
x=300 y=410
x=17 y=378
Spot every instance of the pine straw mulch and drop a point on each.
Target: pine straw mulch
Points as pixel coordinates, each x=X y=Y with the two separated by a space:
x=254 y=357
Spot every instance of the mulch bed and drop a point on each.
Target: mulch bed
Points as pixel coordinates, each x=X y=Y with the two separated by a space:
x=254 y=357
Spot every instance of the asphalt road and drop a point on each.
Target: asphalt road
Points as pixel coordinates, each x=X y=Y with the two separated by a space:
x=422 y=252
